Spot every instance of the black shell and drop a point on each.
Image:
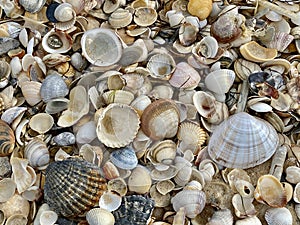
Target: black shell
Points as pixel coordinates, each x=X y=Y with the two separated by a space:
x=73 y=186
x=134 y=210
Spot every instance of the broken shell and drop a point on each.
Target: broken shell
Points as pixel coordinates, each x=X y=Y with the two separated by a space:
x=41 y=122
x=118 y=96
x=152 y=117
x=117 y=125
x=56 y=105
x=161 y=66
x=166 y=174
x=243 y=207
x=110 y=201
x=207 y=47
x=278 y=216
x=8 y=188
x=124 y=158
x=244 y=188
x=56 y=41
x=97 y=216
x=262 y=144
x=165 y=186
x=68 y=199
x=32 y=6
x=101 y=47
x=187 y=32
x=201 y=9
x=254 y=52
x=139 y=180
x=117 y=185
x=7 y=139
x=159 y=199
x=86 y=133
x=145 y=16
x=120 y=18
x=223 y=216
x=270 y=191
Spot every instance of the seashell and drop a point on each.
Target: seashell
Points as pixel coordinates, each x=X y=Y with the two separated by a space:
x=254 y=52
x=165 y=186
x=56 y=105
x=15 y=205
x=152 y=117
x=53 y=87
x=275 y=196
x=17 y=219
x=101 y=47
x=117 y=125
x=8 y=188
x=64 y=138
x=187 y=33
x=293 y=87
x=120 y=18
x=7 y=139
x=278 y=216
x=249 y=221
x=56 y=41
x=207 y=47
x=196 y=8
x=296 y=194
x=110 y=201
x=10 y=29
x=65 y=16
x=110 y=171
x=32 y=6
x=292 y=174
x=98 y=216
x=193 y=202
x=41 y=122
x=37 y=153
x=280 y=41
x=161 y=66
x=117 y=185
x=179 y=218
x=86 y=133
x=69 y=199
x=162 y=152
x=136 y=52
x=145 y=16
x=139 y=180
x=243 y=207
x=32 y=194
x=48 y=217
x=31 y=92
x=140 y=103
x=118 y=96
x=5 y=71
x=124 y=158
x=244 y=68
x=5 y=167
x=184 y=173
x=111 y=6
x=221 y=217
x=159 y=199
x=244 y=188
x=7 y=44
x=12 y=113
x=166 y=174
x=162 y=92
x=185 y=76
x=135 y=210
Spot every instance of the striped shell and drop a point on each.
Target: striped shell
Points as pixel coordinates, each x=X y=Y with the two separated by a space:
x=124 y=158
x=242 y=141
x=279 y=216
x=7 y=139
x=73 y=186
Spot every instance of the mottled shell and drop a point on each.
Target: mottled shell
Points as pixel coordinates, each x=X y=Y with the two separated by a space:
x=135 y=210
x=99 y=216
x=161 y=66
x=242 y=141
x=7 y=139
x=101 y=47
x=160 y=119
x=56 y=41
x=32 y=6
x=73 y=186
x=254 y=52
x=124 y=158
x=117 y=125
x=278 y=216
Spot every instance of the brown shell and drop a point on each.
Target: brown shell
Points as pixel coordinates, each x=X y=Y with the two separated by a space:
x=7 y=139
x=73 y=186
x=160 y=119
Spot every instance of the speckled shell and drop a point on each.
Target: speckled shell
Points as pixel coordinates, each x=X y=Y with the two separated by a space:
x=73 y=186
x=7 y=139
x=279 y=216
x=124 y=158
x=135 y=210
x=242 y=141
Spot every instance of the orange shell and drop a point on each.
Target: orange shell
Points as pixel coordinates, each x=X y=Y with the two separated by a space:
x=200 y=8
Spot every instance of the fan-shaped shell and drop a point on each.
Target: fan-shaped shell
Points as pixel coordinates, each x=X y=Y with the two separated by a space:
x=73 y=186
x=278 y=216
x=31 y=92
x=98 y=216
x=135 y=210
x=7 y=139
x=56 y=41
x=101 y=47
x=160 y=119
x=242 y=141
x=254 y=52
x=32 y=6
x=161 y=66
x=124 y=158
x=110 y=201
x=220 y=81
x=117 y=125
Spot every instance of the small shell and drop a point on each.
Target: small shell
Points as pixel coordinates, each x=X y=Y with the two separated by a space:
x=13 y=113
x=56 y=41
x=293 y=174
x=8 y=188
x=152 y=117
x=161 y=66
x=118 y=96
x=139 y=180
x=221 y=217
x=117 y=185
x=117 y=125
x=243 y=207
x=48 y=217
x=97 y=216
x=7 y=139
x=31 y=92
x=56 y=105
x=276 y=216
x=220 y=81
x=64 y=138
x=120 y=18
x=159 y=199
x=124 y=158
x=65 y=16
x=145 y=16
x=162 y=152
x=166 y=174
x=17 y=219
x=201 y=9
x=41 y=122
x=32 y=6
x=208 y=47
x=101 y=47
x=165 y=186
x=110 y=201
x=187 y=32
x=86 y=133
x=296 y=194
x=110 y=171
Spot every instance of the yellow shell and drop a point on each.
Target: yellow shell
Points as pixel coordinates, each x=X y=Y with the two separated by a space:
x=200 y=8
x=254 y=52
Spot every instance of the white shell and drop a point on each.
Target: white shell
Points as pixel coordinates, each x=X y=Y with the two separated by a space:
x=31 y=92
x=220 y=81
x=221 y=217
x=208 y=47
x=86 y=133
x=278 y=216
x=97 y=216
x=48 y=217
x=110 y=201
x=56 y=41
x=161 y=66
x=41 y=122
x=8 y=188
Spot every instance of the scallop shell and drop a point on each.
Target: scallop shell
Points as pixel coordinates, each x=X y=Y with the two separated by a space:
x=56 y=41
x=145 y=16
x=117 y=125
x=73 y=186
x=97 y=216
x=101 y=47
x=161 y=66
x=260 y=141
x=124 y=158
x=7 y=139
x=160 y=119
x=139 y=180
x=135 y=210
x=278 y=216
x=32 y=6
x=120 y=18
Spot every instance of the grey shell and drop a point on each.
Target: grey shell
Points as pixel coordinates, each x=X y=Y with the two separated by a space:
x=124 y=158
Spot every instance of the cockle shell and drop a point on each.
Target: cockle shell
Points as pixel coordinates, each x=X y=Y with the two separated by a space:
x=278 y=216
x=124 y=158
x=32 y=6
x=135 y=210
x=65 y=16
x=73 y=186
x=201 y=9
x=110 y=201
x=101 y=47
x=56 y=41
x=31 y=92
x=120 y=18
x=160 y=119
x=7 y=139
x=221 y=217
x=117 y=125
x=260 y=141
x=99 y=216
x=161 y=66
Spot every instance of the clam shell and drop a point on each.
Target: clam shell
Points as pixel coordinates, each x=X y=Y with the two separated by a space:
x=201 y=9
x=165 y=186
x=117 y=185
x=7 y=139
x=31 y=92
x=32 y=6
x=162 y=152
x=161 y=66
x=118 y=96
x=120 y=18
x=64 y=138
x=124 y=158
x=159 y=199
x=278 y=216
x=56 y=105
x=221 y=217
x=139 y=180
x=73 y=186
x=187 y=31
x=135 y=210
x=65 y=16
x=208 y=47
x=220 y=81
x=110 y=201
x=117 y=125
x=86 y=133
x=48 y=217
x=8 y=188
x=145 y=16
x=160 y=119
x=260 y=141
x=56 y=41
x=15 y=205
x=97 y=216
x=41 y=122
x=101 y=47
x=110 y=171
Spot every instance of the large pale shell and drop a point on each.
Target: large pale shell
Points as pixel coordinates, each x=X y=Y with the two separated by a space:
x=161 y=66
x=97 y=216
x=7 y=139
x=279 y=216
x=160 y=119
x=220 y=81
x=73 y=186
x=41 y=122
x=17 y=219
x=15 y=205
x=139 y=180
x=101 y=47
x=260 y=141
x=32 y=6
x=8 y=188
x=56 y=41
x=117 y=125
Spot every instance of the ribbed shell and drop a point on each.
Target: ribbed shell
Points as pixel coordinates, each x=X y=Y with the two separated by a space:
x=124 y=158
x=135 y=210
x=73 y=186
x=242 y=141
x=7 y=139
x=279 y=216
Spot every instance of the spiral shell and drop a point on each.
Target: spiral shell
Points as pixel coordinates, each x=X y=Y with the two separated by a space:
x=73 y=186
x=7 y=139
